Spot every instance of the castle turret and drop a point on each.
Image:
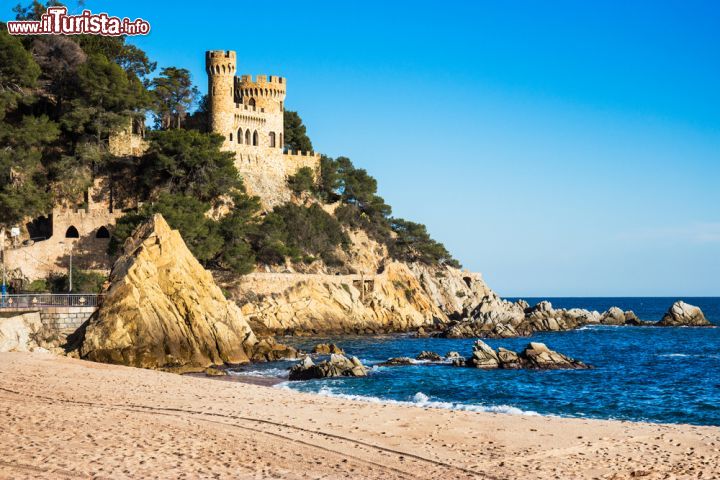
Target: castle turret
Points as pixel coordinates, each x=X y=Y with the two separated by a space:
x=220 y=66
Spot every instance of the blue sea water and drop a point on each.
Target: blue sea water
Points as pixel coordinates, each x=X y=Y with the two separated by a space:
x=655 y=374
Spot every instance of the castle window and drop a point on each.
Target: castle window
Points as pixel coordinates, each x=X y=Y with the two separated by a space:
x=72 y=232
x=102 y=232
x=272 y=140
x=252 y=102
x=240 y=135
x=281 y=143
x=231 y=136
x=255 y=138
x=247 y=137
x=281 y=107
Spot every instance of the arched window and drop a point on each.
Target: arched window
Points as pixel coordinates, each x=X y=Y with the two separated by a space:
x=255 y=138
x=247 y=137
x=231 y=136
x=272 y=140
x=252 y=102
x=240 y=135
x=102 y=232
x=72 y=232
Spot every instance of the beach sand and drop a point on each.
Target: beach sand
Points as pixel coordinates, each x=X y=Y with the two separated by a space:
x=66 y=418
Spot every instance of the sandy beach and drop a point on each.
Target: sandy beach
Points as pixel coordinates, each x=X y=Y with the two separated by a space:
x=66 y=418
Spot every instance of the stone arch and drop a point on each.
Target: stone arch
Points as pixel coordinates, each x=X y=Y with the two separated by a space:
x=247 y=137
x=252 y=102
x=239 y=136
x=72 y=232
x=272 y=139
x=102 y=232
x=255 y=138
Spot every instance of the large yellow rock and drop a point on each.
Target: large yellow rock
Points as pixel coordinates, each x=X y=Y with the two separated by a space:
x=164 y=310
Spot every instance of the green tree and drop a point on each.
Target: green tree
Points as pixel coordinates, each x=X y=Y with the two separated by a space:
x=186 y=214
x=23 y=136
x=174 y=96
x=295 y=133
x=413 y=244
x=299 y=232
x=18 y=70
x=106 y=99
x=302 y=181
x=236 y=229
x=34 y=10
x=329 y=181
x=191 y=163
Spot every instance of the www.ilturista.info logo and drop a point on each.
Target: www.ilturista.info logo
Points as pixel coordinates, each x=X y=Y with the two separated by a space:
x=56 y=21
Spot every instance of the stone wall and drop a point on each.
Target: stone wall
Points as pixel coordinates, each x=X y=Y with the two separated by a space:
x=61 y=319
x=66 y=319
x=52 y=255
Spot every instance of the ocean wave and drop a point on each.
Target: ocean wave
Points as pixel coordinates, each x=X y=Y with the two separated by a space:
x=690 y=355
x=267 y=373
x=419 y=400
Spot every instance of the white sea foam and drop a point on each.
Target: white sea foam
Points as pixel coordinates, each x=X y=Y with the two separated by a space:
x=419 y=400
x=267 y=373
x=690 y=355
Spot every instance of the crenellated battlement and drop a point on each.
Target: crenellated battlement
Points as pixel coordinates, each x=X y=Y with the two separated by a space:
x=262 y=79
x=300 y=153
x=271 y=87
x=220 y=62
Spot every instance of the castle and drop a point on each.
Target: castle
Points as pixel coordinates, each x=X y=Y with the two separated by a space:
x=249 y=115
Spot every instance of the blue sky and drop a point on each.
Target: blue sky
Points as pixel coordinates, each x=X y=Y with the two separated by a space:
x=560 y=148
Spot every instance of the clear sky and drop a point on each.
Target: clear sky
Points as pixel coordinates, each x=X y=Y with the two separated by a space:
x=560 y=148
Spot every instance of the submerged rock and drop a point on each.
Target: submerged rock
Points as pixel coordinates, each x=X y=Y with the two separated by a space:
x=327 y=349
x=432 y=356
x=455 y=359
x=683 y=314
x=397 y=361
x=164 y=310
x=337 y=366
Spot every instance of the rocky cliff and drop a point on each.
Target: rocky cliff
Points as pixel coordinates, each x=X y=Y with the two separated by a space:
x=164 y=310
x=391 y=301
x=402 y=297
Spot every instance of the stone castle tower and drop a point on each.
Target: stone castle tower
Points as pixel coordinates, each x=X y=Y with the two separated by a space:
x=249 y=115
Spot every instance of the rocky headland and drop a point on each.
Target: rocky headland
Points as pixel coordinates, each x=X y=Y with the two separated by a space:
x=164 y=310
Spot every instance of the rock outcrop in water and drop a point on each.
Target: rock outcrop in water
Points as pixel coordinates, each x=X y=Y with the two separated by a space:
x=535 y=356
x=496 y=318
x=429 y=356
x=683 y=314
x=164 y=310
x=337 y=366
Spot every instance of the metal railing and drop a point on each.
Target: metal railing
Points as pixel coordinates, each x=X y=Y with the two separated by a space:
x=50 y=300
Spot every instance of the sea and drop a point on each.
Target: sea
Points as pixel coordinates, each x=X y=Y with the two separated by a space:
x=649 y=374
